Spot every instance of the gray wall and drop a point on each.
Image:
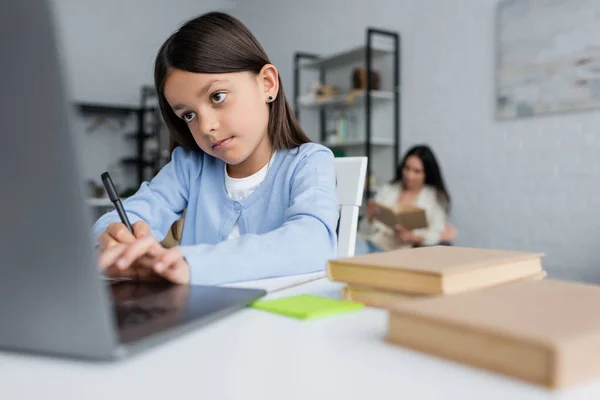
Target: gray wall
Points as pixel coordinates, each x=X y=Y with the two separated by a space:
x=527 y=184
x=110 y=45
x=108 y=50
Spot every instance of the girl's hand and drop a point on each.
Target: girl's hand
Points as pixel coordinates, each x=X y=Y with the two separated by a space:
x=145 y=259
x=117 y=233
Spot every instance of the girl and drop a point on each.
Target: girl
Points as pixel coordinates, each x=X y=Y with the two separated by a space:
x=259 y=198
x=418 y=182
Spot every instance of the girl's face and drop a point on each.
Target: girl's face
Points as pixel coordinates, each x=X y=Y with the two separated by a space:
x=227 y=114
x=413 y=173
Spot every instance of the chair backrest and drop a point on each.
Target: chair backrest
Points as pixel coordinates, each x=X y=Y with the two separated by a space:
x=351 y=174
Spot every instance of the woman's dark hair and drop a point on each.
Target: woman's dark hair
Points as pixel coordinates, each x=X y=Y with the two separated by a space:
x=433 y=174
x=216 y=43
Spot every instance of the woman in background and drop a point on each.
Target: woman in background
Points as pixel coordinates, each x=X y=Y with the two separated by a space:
x=418 y=182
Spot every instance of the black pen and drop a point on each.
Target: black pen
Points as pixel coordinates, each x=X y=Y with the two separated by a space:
x=114 y=198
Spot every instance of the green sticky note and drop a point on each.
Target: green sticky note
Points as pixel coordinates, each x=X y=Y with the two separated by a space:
x=307 y=306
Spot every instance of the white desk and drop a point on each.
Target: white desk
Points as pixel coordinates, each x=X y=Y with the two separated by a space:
x=257 y=355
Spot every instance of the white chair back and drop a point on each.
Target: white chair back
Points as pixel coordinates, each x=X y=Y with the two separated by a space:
x=351 y=174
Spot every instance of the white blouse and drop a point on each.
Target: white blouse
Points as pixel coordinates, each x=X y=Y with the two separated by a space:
x=385 y=238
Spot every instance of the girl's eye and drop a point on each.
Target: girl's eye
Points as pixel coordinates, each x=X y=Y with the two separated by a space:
x=188 y=116
x=218 y=97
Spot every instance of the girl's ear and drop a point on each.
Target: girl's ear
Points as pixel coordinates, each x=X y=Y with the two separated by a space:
x=269 y=79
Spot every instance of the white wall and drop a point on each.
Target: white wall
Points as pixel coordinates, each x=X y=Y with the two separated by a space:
x=527 y=184
x=108 y=49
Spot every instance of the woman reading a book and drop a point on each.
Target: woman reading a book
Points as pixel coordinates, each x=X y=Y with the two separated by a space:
x=418 y=183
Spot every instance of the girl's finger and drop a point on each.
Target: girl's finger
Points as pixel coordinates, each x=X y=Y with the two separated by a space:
x=156 y=250
x=141 y=229
x=120 y=233
x=141 y=270
x=134 y=251
x=113 y=271
x=105 y=241
x=177 y=273
x=170 y=257
x=110 y=255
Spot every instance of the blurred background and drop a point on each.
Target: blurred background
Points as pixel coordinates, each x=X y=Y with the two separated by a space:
x=506 y=94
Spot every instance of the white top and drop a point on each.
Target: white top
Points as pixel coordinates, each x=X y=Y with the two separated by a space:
x=239 y=188
x=384 y=237
x=254 y=354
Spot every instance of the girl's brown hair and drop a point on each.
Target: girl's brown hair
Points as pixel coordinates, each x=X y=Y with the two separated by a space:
x=217 y=43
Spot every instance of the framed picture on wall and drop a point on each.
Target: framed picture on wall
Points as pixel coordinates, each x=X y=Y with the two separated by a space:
x=547 y=57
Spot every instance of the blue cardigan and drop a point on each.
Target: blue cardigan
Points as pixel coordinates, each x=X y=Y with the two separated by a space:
x=287 y=225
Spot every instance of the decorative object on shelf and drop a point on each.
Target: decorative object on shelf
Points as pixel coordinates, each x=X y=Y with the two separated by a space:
x=102 y=120
x=104 y=115
x=95 y=190
x=548 y=57
x=359 y=79
x=345 y=127
x=319 y=93
x=325 y=92
x=340 y=134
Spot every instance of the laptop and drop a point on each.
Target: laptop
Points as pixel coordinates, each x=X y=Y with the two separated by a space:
x=53 y=298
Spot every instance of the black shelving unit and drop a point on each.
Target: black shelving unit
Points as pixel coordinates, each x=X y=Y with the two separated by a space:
x=144 y=131
x=298 y=57
x=302 y=57
x=105 y=109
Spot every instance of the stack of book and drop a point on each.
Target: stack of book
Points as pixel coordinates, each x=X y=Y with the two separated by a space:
x=384 y=279
x=488 y=309
x=545 y=332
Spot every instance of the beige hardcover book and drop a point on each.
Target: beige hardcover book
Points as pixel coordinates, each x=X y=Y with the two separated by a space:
x=545 y=332
x=410 y=217
x=372 y=297
x=385 y=299
x=436 y=269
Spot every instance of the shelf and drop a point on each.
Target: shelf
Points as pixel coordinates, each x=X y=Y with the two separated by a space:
x=110 y=109
x=134 y=135
x=349 y=56
x=136 y=161
x=360 y=142
x=340 y=100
